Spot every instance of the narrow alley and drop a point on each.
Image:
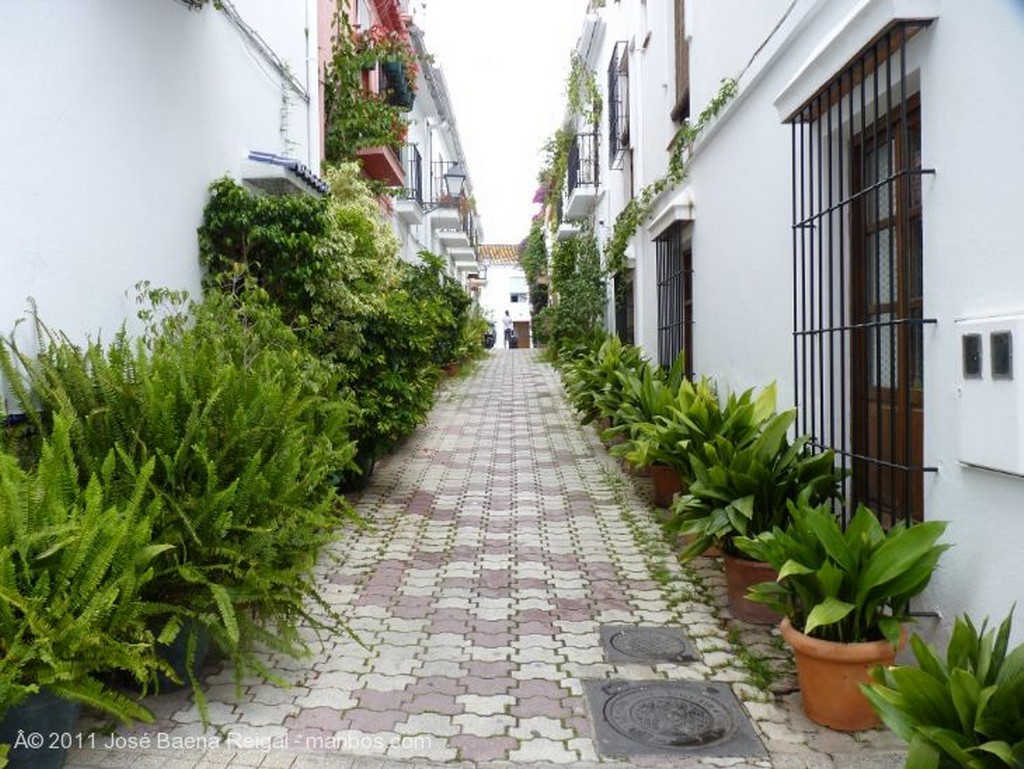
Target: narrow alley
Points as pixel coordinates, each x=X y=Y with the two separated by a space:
x=500 y=539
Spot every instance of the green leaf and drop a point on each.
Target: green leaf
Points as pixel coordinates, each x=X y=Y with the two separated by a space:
x=922 y=754
x=226 y=609
x=826 y=613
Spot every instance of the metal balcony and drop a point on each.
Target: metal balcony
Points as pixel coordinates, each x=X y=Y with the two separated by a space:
x=409 y=205
x=583 y=176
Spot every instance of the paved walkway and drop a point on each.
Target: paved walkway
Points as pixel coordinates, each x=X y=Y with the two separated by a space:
x=501 y=537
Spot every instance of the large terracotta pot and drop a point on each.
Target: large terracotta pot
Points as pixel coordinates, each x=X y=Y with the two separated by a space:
x=740 y=575
x=830 y=675
x=667 y=483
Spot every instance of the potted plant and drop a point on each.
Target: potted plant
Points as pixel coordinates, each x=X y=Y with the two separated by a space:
x=844 y=596
x=966 y=710
x=73 y=566
x=742 y=489
x=647 y=395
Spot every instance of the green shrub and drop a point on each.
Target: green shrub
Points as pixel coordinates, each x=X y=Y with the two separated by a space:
x=244 y=433
x=332 y=266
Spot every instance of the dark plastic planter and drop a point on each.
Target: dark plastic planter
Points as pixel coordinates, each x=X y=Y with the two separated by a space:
x=40 y=730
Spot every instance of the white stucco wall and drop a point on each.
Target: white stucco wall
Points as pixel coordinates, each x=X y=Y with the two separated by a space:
x=494 y=298
x=971 y=125
x=118 y=116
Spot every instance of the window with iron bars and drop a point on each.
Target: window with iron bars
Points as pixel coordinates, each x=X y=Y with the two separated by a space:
x=858 y=260
x=618 y=104
x=675 y=299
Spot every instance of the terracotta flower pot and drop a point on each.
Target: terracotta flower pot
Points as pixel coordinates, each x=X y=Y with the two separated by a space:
x=830 y=675
x=667 y=483
x=740 y=575
x=452 y=369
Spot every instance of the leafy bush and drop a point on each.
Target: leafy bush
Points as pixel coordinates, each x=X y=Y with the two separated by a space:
x=743 y=480
x=238 y=434
x=74 y=563
x=578 y=281
x=332 y=266
x=590 y=372
x=964 y=711
x=846 y=586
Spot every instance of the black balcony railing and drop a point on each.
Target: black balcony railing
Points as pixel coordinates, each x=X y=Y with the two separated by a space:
x=447 y=183
x=412 y=161
x=583 y=162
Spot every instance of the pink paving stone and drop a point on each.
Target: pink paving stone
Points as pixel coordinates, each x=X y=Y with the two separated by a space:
x=495 y=578
x=374 y=720
x=571 y=604
x=498 y=669
x=538 y=687
x=374 y=700
x=433 y=703
x=529 y=707
x=457 y=615
x=450 y=626
x=472 y=748
x=309 y=739
x=580 y=725
x=487 y=687
x=326 y=719
x=534 y=615
x=437 y=685
x=458 y=582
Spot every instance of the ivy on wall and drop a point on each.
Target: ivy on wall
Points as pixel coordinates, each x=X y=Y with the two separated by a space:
x=638 y=209
x=583 y=99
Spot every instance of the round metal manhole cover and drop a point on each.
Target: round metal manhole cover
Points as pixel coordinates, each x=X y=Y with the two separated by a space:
x=668 y=719
x=650 y=645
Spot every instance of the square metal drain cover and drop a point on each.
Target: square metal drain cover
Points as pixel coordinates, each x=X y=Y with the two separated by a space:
x=629 y=643
x=683 y=718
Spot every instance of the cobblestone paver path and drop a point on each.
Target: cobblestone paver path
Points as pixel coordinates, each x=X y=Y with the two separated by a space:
x=500 y=538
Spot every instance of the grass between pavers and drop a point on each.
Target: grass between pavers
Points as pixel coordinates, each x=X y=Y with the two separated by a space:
x=685 y=585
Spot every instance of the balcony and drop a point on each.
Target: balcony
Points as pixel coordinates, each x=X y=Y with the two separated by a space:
x=447 y=194
x=383 y=165
x=582 y=178
x=409 y=204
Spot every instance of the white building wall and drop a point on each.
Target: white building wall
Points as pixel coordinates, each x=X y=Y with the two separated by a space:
x=118 y=116
x=494 y=299
x=973 y=232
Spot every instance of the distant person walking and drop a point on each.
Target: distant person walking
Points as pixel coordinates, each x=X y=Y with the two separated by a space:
x=507 y=320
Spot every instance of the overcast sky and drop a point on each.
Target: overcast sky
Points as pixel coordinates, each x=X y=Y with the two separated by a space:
x=505 y=62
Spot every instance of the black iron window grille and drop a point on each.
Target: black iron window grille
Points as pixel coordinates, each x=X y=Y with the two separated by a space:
x=675 y=298
x=618 y=104
x=583 y=162
x=413 y=163
x=858 y=259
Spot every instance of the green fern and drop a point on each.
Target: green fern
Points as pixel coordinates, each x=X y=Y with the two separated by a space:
x=235 y=434
x=73 y=566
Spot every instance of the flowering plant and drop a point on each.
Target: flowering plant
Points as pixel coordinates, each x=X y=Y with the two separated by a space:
x=356 y=116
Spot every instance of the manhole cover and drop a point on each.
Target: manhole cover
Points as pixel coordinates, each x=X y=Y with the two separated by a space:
x=627 y=643
x=670 y=717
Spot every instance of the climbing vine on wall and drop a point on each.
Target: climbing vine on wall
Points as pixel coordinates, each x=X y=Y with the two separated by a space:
x=583 y=99
x=357 y=118
x=638 y=209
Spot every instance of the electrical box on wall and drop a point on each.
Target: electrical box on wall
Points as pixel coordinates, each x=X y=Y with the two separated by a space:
x=990 y=388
